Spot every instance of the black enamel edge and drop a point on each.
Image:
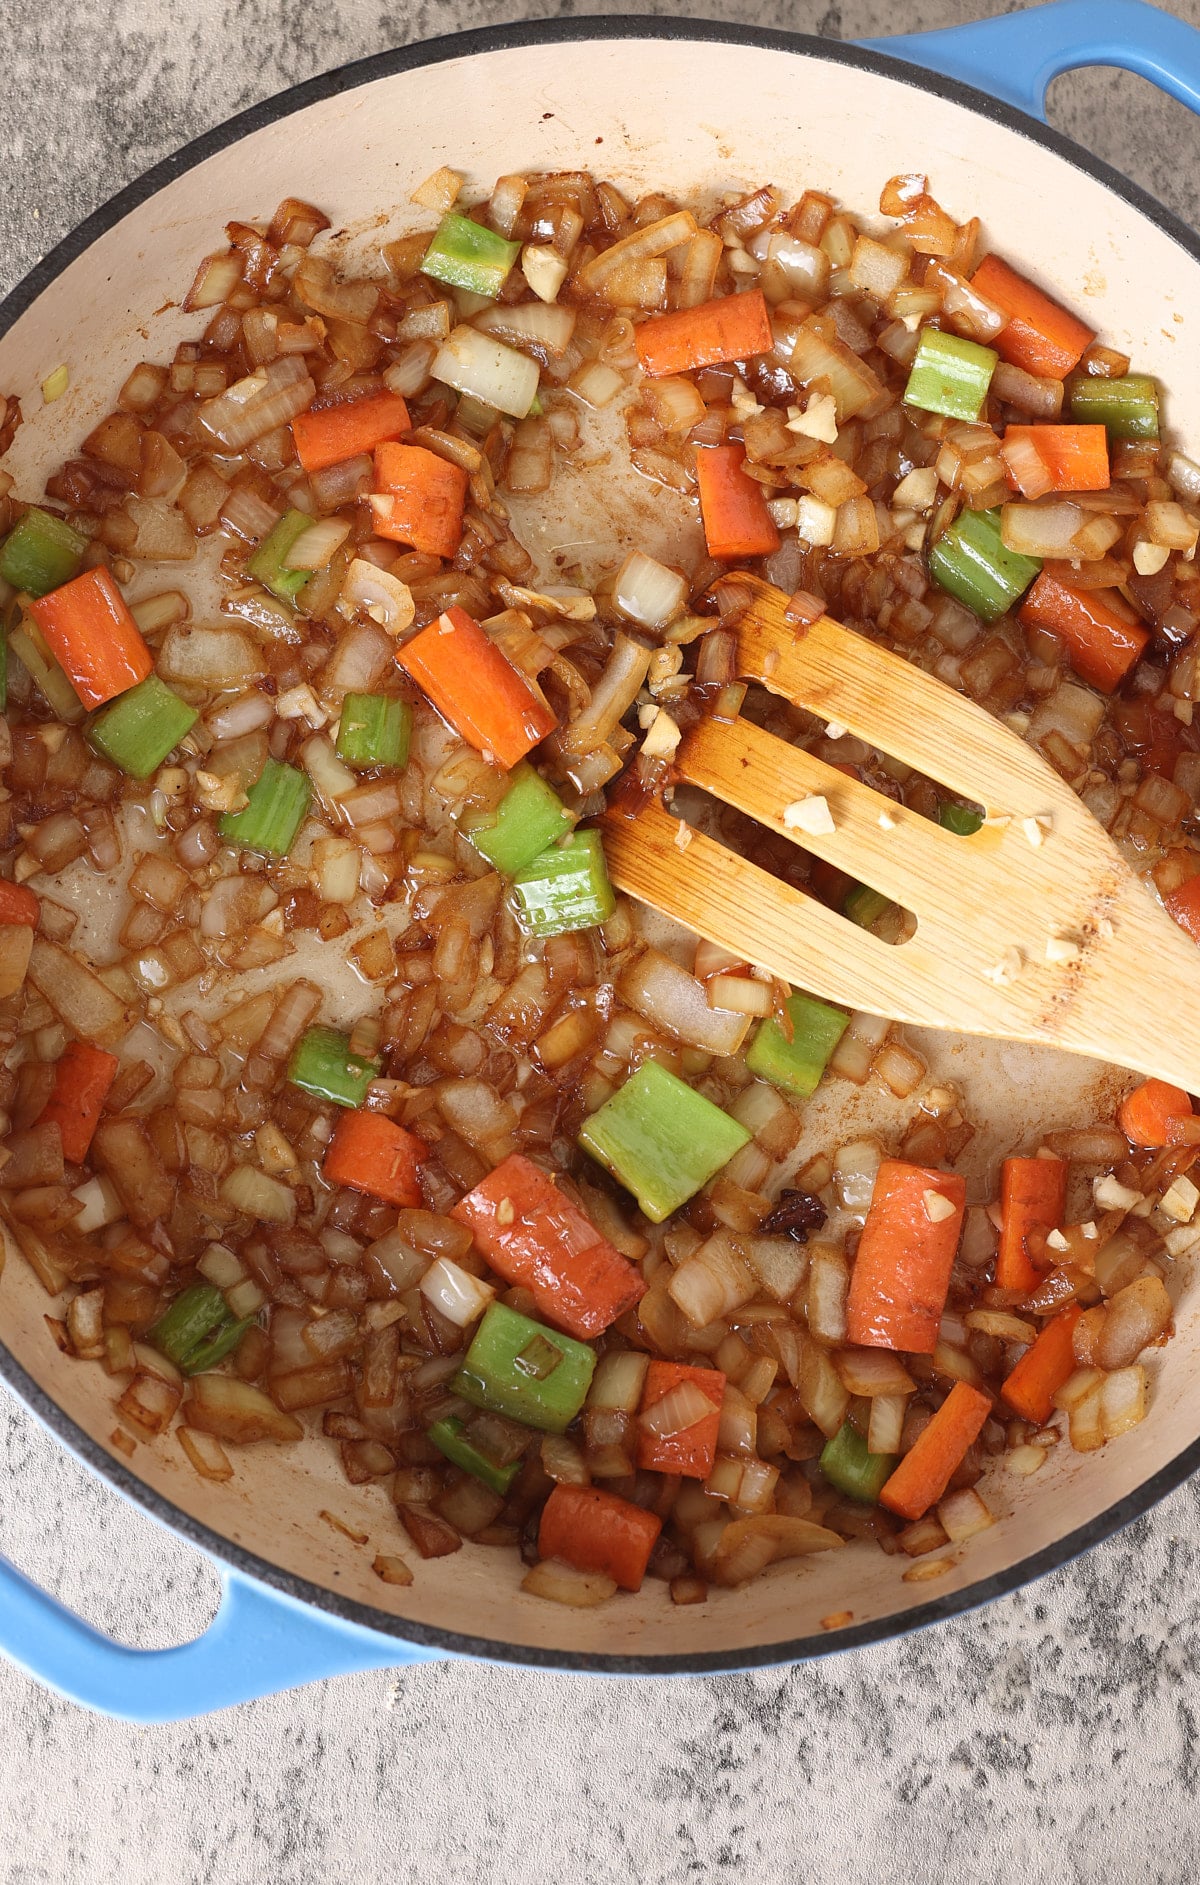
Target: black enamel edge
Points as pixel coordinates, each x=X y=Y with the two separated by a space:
x=276 y=110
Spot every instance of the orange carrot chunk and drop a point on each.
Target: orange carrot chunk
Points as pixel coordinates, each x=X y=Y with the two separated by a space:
x=335 y=433
x=538 y=1239
x=371 y=1153
x=1184 y=905
x=1040 y=336
x=18 y=905
x=81 y=1084
x=477 y=689
x=692 y=1450
x=1075 y=457
x=733 y=508
x=597 y=1531
x=927 y=1468
x=93 y=637
x=730 y=328
x=902 y=1270
x=1146 y=1115
x=1101 y=645
x=1032 y=1194
x=1042 y=1369
x=419 y=499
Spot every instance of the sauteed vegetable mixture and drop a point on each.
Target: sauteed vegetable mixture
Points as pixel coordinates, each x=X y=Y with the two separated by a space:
x=340 y=1089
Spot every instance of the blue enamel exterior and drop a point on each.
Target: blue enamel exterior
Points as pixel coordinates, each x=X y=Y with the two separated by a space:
x=1016 y=56
x=263 y=1640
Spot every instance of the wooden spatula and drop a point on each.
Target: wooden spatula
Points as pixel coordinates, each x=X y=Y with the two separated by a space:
x=1033 y=928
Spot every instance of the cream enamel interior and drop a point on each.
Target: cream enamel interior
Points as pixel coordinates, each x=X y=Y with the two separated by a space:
x=687 y=117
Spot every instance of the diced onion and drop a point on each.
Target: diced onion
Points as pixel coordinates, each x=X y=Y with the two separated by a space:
x=680 y=1408
x=457 y=1295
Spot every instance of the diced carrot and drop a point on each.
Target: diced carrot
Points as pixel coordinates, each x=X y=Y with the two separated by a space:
x=476 y=688
x=335 y=433
x=371 y=1153
x=1032 y=1194
x=1040 y=336
x=93 y=636
x=597 y=1531
x=85 y=1074
x=1145 y=1116
x=1042 y=1369
x=692 y=1451
x=927 y=1468
x=905 y=1256
x=733 y=507
x=1101 y=645
x=1184 y=905
x=420 y=499
x=18 y=905
x=1075 y=456
x=730 y=328
x=537 y=1238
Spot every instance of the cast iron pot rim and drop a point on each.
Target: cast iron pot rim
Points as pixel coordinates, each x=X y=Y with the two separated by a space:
x=272 y=111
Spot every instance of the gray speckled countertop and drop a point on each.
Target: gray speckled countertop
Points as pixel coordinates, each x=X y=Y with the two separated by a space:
x=1053 y=1737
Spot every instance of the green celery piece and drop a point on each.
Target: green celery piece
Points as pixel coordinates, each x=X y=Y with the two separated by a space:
x=41 y=552
x=959 y=818
x=466 y=255
x=278 y=801
x=218 y=1347
x=374 y=730
x=865 y=906
x=950 y=375
x=528 y=818
x=269 y=564
x=799 y=1063
x=661 y=1140
x=565 y=888
x=191 y=1319
x=492 y=1376
x=138 y=729
x=848 y=1465
x=970 y=562
x=1128 y=407
x=323 y=1065
x=450 y=1438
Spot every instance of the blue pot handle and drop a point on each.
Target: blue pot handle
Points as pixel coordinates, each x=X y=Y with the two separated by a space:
x=1016 y=56
x=258 y=1643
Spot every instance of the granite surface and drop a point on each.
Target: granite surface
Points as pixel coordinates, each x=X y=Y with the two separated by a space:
x=1053 y=1737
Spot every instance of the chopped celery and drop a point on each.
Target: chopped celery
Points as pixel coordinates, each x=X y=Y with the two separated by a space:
x=197 y=1331
x=565 y=888
x=848 y=1465
x=219 y=1346
x=950 y=375
x=278 y=801
x=522 y=1369
x=451 y=1438
x=374 y=730
x=269 y=564
x=138 y=729
x=960 y=819
x=528 y=818
x=661 y=1140
x=1128 y=407
x=865 y=906
x=323 y=1065
x=41 y=552
x=465 y=254
x=799 y=1063
x=188 y=1323
x=971 y=563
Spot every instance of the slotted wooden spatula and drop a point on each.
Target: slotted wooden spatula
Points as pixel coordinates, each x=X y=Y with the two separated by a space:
x=1033 y=928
